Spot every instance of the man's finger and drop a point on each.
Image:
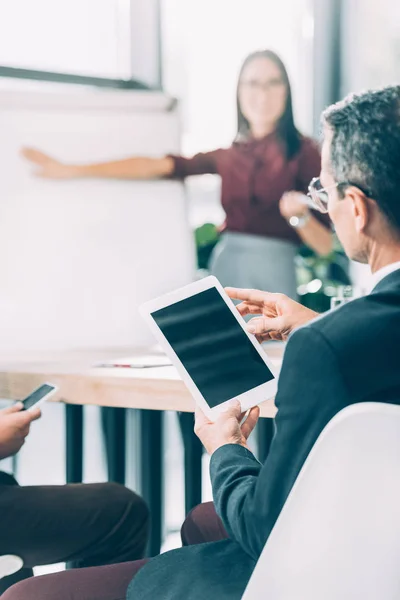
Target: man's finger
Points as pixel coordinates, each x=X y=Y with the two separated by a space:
x=250 y=422
x=252 y=296
x=265 y=337
x=246 y=308
x=242 y=415
x=232 y=409
x=264 y=325
x=276 y=336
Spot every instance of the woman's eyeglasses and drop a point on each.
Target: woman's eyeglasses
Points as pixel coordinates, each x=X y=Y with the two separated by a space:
x=262 y=86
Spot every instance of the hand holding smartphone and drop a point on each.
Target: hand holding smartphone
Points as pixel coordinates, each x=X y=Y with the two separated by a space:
x=15 y=420
x=38 y=396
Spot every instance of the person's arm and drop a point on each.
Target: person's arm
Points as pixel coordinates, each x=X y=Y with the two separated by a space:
x=316 y=230
x=315 y=234
x=128 y=168
x=248 y=496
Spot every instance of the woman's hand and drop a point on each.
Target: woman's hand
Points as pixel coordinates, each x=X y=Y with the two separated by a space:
x=311 y=231
x=48 y=167
x=293 y=204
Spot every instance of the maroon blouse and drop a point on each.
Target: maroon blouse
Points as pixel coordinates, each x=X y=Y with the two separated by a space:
x=255 y=174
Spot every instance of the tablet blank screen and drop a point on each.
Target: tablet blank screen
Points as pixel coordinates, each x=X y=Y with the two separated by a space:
x=212 y=346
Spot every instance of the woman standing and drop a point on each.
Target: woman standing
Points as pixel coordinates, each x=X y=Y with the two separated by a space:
x=265 y=174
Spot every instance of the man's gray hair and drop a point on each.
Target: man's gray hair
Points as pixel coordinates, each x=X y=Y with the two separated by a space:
x=365 y=149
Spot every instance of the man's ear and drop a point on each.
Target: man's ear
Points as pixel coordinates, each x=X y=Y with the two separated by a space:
x=359 y=207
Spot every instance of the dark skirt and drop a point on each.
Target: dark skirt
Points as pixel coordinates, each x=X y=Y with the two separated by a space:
x=251 y=261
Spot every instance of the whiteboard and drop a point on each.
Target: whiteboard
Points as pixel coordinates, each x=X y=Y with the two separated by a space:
x=78 y=257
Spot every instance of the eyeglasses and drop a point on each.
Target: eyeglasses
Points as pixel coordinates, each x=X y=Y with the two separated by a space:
x=262 y=86
x=318 y=195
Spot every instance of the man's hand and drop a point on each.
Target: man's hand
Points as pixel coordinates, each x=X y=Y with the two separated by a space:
x=48 y=167
x=279 y=314
x=14 y=427
x=227 y=429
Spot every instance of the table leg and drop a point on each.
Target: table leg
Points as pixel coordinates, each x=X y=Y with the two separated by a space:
x=114 y=427
x=74 y=443
x=152 y=473
x=193 y=452
x=265 y=433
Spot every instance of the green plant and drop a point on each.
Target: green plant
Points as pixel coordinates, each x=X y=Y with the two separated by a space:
x=320 y=277
x=206 y=237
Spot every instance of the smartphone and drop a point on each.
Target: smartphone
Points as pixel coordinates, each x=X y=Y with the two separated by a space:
x=42 y=393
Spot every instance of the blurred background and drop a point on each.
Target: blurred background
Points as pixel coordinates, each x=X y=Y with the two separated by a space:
x=95 y=80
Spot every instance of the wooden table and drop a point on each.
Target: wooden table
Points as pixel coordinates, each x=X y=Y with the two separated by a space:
x=152 y=390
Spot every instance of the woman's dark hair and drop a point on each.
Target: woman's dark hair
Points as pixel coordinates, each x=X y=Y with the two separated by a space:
x=287 y=131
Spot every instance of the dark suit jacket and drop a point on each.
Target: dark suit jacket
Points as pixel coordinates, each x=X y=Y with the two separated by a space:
x=346 y=356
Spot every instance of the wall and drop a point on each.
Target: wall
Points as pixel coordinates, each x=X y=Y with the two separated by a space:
x=370 y=59
x=78 y=257
x=370 y=44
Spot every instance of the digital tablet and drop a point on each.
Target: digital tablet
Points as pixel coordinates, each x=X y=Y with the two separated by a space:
x=205 y=338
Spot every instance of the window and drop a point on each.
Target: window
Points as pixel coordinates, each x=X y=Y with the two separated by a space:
x=84 y=37
x=92 y=38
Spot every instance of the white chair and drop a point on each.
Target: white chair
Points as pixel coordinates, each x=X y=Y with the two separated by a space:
x=338 y=535
x=10 y=564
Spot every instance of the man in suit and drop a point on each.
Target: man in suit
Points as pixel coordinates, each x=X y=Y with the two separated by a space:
x=349 y=355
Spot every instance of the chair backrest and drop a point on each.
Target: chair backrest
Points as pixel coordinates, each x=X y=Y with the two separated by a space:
x=338 y=535
x=10 y=564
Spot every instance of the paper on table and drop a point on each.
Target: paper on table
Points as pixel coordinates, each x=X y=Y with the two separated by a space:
x=137 y=362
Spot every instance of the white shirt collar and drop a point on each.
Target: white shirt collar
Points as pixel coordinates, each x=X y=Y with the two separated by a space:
x=382 y=273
